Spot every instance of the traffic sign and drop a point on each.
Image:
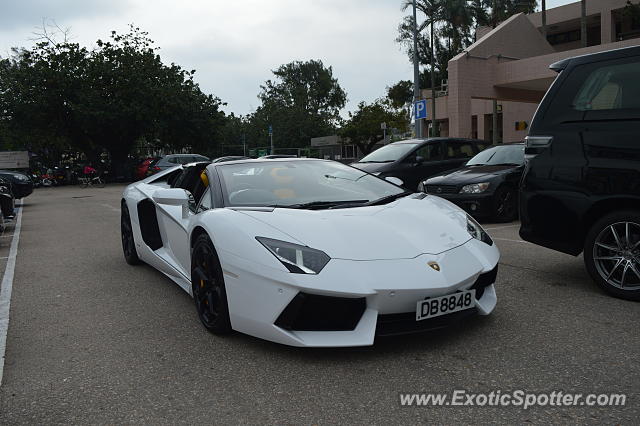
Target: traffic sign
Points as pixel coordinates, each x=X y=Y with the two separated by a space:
x=270 y=130
x=420 y=109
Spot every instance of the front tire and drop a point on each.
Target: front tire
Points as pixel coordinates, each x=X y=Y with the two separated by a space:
x=612 y=254
x=126 y=231
x=505 y=202
x=207 y=284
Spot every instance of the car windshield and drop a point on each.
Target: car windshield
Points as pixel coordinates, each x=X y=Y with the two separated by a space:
x=301 y=184
x=505 y=154
x=389 y=153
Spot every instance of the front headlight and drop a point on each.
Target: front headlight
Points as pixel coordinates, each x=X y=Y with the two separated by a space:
x=21 y=178
x=475 y=188
x=296 y=258
x=475 y=230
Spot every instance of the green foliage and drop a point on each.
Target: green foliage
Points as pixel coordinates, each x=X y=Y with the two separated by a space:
x=64 y=95
x=302 y=102
x=363 y=126
x=400 y=94
x=400 y=97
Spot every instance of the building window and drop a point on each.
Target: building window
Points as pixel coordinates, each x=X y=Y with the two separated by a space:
x=566 y=37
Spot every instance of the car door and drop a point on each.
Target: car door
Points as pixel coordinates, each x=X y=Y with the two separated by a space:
x=422 y=163
x=174 y=225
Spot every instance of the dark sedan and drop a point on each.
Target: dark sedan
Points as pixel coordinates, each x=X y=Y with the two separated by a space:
x=487 y=186
x=21 y=185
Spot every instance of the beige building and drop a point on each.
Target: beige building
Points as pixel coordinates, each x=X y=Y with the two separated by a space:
x=510 y=64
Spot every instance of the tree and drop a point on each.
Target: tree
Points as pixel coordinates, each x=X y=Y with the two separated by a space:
x=107 y=98
x=400 y=96
x=363 y=126
x=302 y=102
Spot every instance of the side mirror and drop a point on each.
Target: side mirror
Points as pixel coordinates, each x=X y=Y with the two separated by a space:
x=173 y=197
x=394 y=180
x=419 y=160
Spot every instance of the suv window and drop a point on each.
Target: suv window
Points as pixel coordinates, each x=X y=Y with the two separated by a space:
x=482 y=145
x=429 y=152
x=459 y=149
x=609 y=87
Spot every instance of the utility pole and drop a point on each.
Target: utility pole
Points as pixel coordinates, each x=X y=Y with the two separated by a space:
x=544 y=19
x=271 y=139
x=434 y=131
x=416 y=70
x=583 y=23
x=244 y=144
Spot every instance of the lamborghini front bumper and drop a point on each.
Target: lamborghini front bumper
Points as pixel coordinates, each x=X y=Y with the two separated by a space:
x=350 y=302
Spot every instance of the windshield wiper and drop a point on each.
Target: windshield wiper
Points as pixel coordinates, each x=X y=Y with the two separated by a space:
x=506 y=164
x=381 y=161
x=388 y=198
x=318 y=205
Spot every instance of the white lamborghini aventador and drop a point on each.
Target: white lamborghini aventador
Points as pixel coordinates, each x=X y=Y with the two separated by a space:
x=309 y=252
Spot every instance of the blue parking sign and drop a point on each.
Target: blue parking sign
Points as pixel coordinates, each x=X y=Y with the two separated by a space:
x=420 y=109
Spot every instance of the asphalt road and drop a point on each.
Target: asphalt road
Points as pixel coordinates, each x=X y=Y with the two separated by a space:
x=93 y=340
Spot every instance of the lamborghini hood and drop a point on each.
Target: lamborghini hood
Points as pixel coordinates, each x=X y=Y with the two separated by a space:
x=402 y=229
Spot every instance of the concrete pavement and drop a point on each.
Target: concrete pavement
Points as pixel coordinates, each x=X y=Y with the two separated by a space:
x=94 y=340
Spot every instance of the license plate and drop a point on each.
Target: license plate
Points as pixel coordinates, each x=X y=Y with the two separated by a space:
x=436 y=306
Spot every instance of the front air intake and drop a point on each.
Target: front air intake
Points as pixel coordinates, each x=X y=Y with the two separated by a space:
x=311 y=312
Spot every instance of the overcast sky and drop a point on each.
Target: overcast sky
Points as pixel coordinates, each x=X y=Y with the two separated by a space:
x=235 y=44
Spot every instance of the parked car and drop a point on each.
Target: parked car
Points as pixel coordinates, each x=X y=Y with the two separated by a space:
x=173 y=160
x=142 y=167
x=581 y=185
x=229 y=158
x=487 y=186
x=21 y=185
x=416 y=159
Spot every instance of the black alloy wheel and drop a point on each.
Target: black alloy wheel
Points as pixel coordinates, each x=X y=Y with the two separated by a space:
x=506 y=204
x=128 y=243
x=207 y=283
x=612 y=254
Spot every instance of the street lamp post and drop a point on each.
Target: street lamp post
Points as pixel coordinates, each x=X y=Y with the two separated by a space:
x=416 y=70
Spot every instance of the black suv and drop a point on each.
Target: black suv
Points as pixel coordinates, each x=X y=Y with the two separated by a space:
x=581 y=186
x=416 y=159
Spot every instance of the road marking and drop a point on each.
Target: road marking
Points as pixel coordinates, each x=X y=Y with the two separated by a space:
x=502 y=227
x=5 y=291
x=507 y=239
